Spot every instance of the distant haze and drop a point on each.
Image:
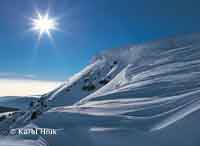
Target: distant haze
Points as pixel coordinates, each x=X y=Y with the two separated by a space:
x=22 y=87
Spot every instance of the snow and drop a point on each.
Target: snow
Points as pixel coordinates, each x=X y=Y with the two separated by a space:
x=146 y=94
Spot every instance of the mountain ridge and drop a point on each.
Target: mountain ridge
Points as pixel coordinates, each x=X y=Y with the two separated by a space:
x=147 y=91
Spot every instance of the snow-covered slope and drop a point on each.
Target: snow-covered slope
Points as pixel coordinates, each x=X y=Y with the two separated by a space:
x=88 y=81
x=17 y=102
x=147 y=94
x=157 y=83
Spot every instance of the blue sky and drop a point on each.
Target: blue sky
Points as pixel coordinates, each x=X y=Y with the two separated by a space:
x=87 y=28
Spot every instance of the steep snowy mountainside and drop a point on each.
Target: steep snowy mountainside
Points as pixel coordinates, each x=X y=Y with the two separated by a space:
x=157 y=85
x=158 y=69
x=149 y=68
x=89 y=80
x=147 y=94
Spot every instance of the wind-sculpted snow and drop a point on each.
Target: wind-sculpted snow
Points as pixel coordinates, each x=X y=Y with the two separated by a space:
x=23 y=142
x=146 y=94
x=154 y=91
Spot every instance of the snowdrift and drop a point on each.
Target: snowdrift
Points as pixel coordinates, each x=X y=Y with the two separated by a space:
x=146 y=94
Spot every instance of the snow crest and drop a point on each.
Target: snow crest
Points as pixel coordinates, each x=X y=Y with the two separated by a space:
x=150 y=89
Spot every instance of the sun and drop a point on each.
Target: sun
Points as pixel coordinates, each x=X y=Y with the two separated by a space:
x=43 y=24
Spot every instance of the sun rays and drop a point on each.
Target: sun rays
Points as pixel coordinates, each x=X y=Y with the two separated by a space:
x=43 y=24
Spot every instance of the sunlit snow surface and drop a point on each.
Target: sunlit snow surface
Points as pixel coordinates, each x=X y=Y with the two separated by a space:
x=152 y=98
